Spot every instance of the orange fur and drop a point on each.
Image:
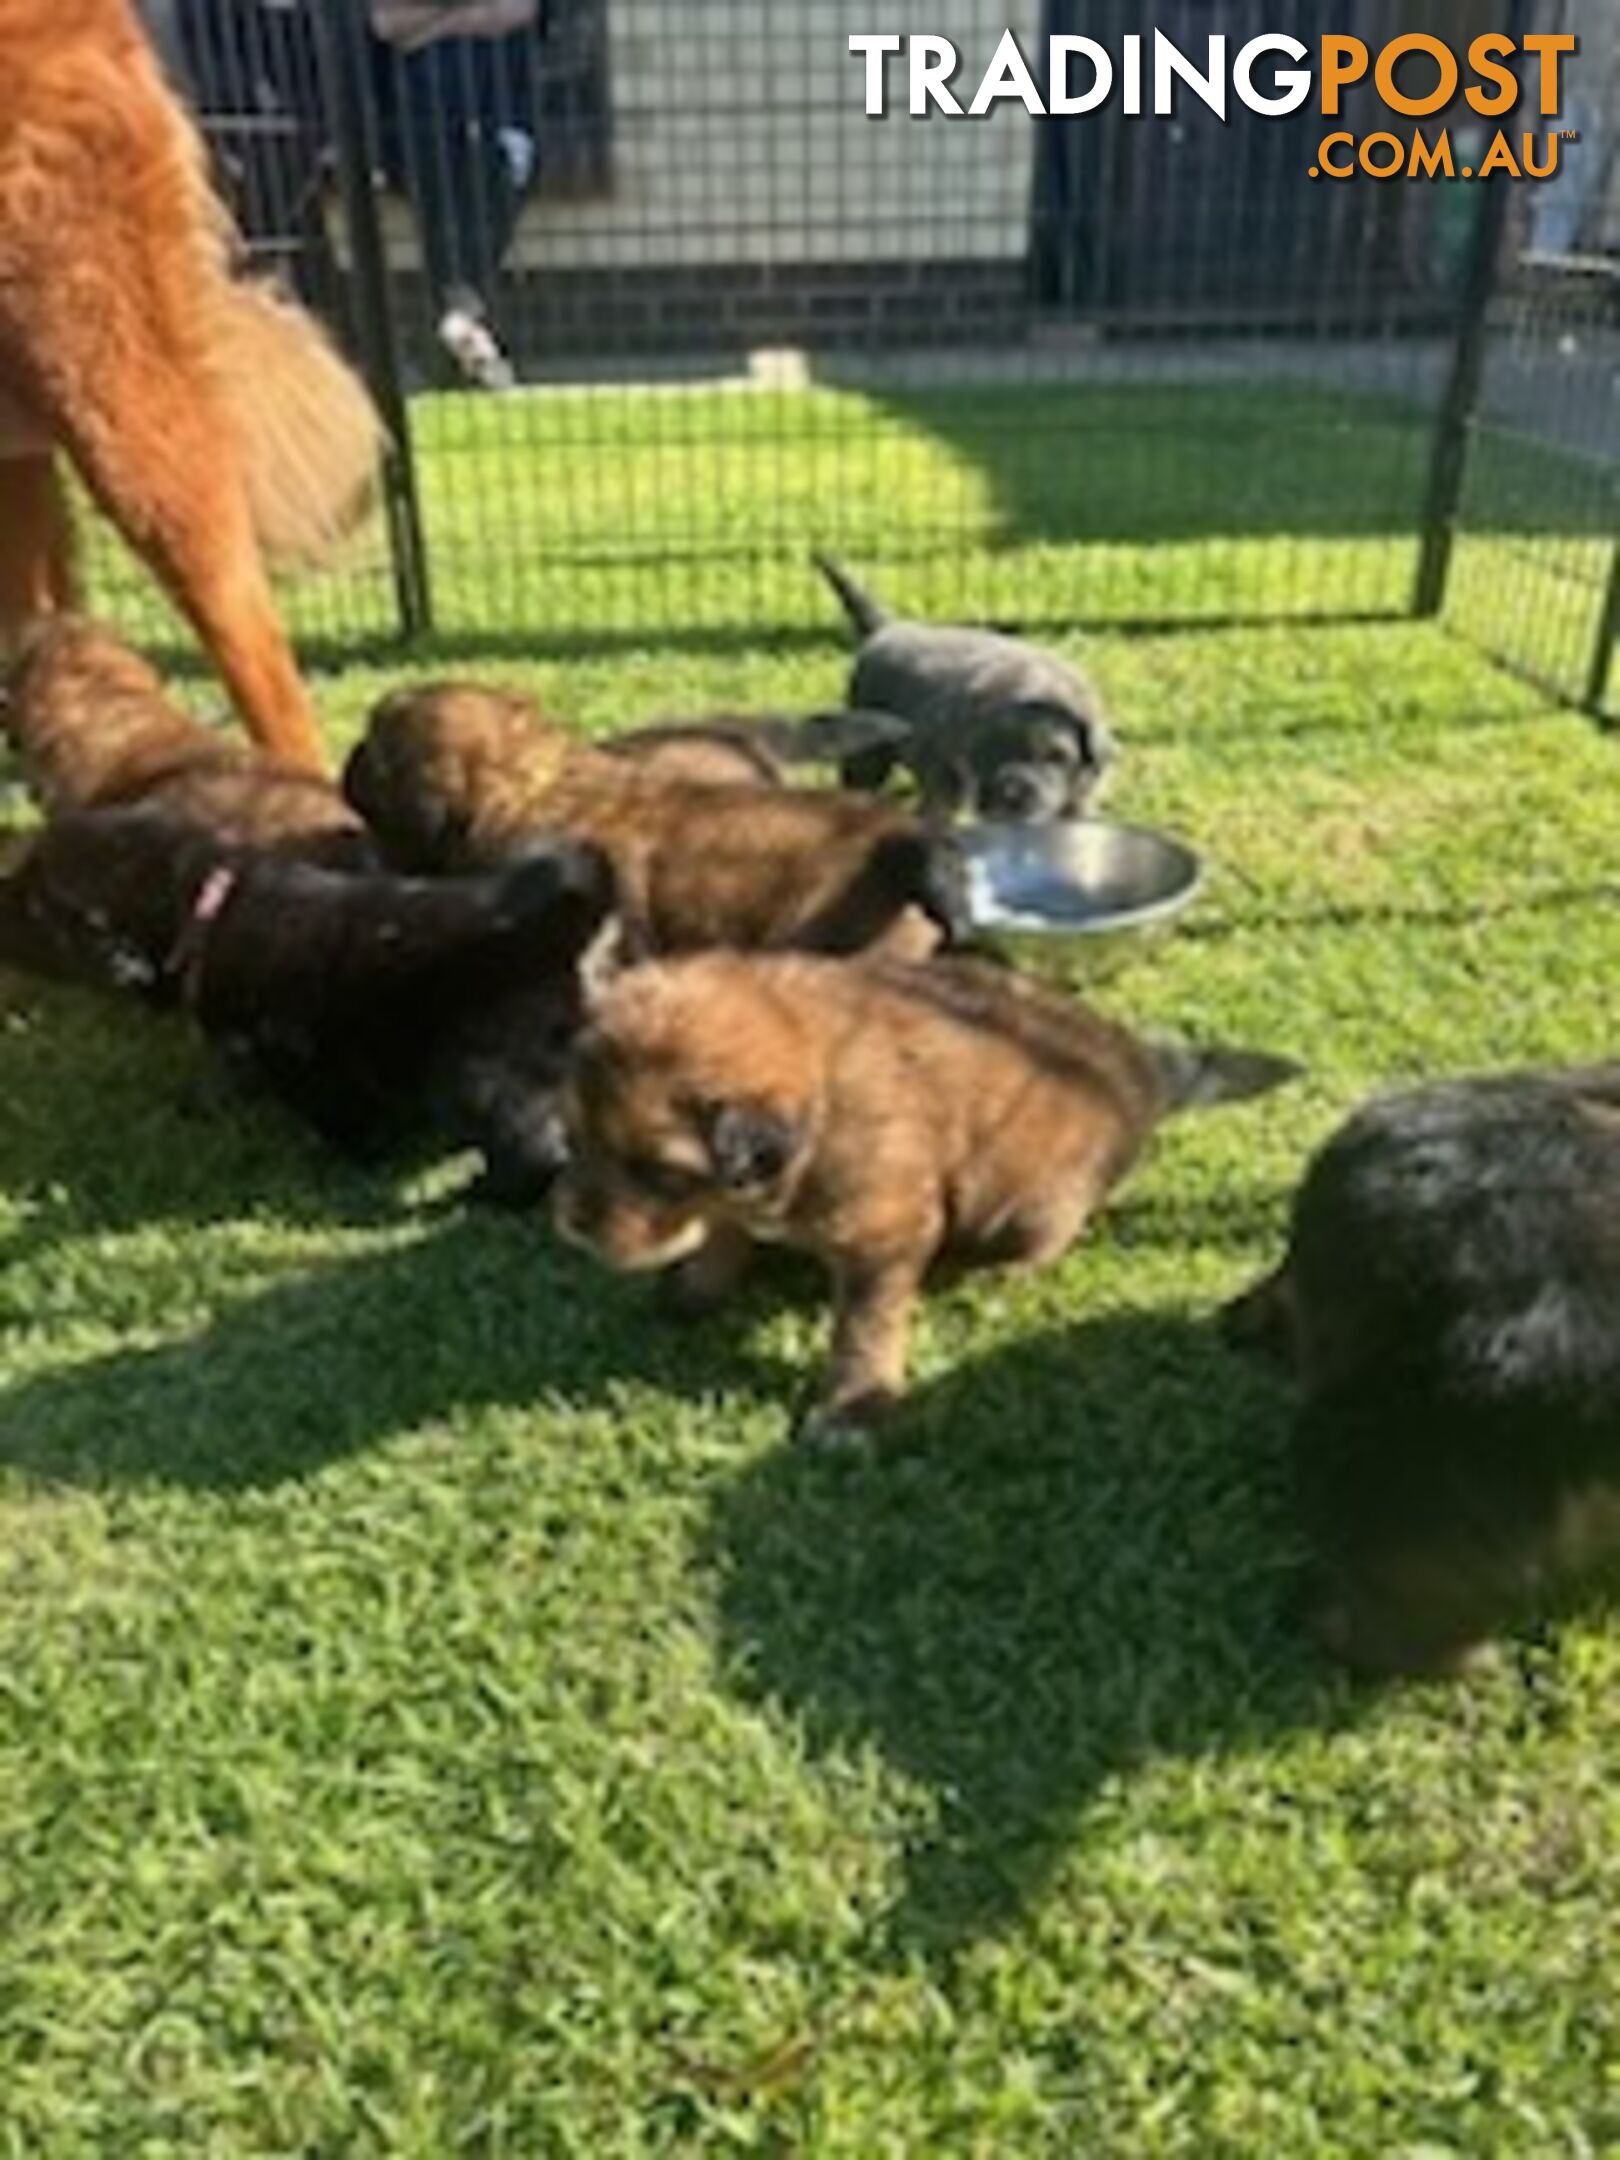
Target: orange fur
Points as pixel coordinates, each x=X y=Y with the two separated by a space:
x=208 y=417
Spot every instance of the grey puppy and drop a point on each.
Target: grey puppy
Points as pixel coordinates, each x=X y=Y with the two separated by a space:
x=992 y=727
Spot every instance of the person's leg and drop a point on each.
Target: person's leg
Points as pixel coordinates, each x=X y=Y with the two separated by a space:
x=478 y=193
x=466 y=203
x=428 y=154
x=509 y=98
x=453 y=103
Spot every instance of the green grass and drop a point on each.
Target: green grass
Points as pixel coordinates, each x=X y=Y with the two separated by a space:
x=440 y=1713
x=592 y=520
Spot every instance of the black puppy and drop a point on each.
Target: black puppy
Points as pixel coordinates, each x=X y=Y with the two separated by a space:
x=1451 y=1303
x=994 y=728
x=377 y=1007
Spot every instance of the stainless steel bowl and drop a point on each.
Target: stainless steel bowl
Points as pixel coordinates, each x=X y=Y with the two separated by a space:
x=1076 y=897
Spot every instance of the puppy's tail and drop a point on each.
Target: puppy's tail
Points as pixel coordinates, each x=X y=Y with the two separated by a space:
x=1193 y=1077
x=863 y=611
x=308 y=435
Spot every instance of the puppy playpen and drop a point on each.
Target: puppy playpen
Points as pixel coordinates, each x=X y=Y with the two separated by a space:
x=1088 y=371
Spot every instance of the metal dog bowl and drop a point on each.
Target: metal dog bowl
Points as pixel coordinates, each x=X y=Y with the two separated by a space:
x=1077 y=896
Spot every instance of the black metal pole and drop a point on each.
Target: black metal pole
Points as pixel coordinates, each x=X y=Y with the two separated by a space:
x=1608 y=635
x=342 y=33
x=1448 y=466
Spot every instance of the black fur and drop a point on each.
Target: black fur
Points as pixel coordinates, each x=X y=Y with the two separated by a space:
x=924 y=870
x=995 y=728
x=1451 y=1303
x=378 y=1008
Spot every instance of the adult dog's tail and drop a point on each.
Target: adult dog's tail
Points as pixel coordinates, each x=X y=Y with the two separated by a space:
x=864 y=612
x=305 y=430
x=308 y=434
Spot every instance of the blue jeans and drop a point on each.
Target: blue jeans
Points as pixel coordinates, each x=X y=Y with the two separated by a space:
x=443 y=112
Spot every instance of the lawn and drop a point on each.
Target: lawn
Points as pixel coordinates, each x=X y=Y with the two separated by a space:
x=440 y=1712
x=616 y=517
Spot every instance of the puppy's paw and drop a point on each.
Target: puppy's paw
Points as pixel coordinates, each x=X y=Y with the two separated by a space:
x=689 y=1293
x=511 y=1185
x=1260 y=1323
x=710 y=1278
x=847 y=1427
x=1383 y=1645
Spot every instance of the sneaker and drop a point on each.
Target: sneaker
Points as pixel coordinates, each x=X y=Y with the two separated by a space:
x=475 y=350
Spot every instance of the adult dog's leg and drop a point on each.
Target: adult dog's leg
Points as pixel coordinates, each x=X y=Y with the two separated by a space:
x=36 y=544
x=170 y=483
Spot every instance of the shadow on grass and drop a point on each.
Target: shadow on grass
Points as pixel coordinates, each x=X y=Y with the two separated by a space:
x=115 y=1123
x=113 y=1118
x=479 y=1313
x=480 y=649
x=1074 y=1556
x=1352 y=916
x=1096 y=463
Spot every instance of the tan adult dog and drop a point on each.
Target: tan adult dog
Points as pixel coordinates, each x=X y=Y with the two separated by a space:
x=209 y=418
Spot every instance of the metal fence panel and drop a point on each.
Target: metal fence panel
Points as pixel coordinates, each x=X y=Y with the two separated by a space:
x=1099 y=370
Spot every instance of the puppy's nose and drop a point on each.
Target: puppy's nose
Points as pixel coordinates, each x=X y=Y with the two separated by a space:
x=1016 y=793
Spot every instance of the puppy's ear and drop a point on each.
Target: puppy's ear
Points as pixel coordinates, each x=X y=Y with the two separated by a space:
x=1086 y=731
x=359 y=779
x=750 y=1145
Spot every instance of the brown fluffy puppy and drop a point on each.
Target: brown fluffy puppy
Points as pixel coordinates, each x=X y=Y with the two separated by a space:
x=895 y=1122
x=96 y=731
x=211 y=420
x=454 y=778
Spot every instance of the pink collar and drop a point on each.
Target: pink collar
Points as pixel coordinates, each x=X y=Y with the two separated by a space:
x=184 y=964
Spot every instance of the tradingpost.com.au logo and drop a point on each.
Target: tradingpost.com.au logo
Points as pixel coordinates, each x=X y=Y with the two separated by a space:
x=1415 y=75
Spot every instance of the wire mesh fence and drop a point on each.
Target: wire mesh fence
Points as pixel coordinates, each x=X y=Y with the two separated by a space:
x=655 y=307
x=1534 y=575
